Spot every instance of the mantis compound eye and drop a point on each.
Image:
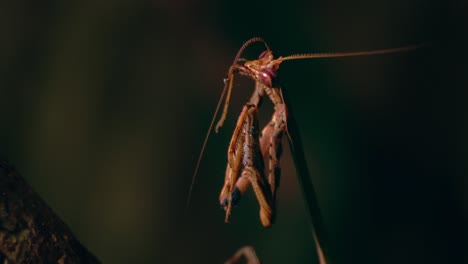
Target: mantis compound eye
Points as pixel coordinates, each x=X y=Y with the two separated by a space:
x=266 y=76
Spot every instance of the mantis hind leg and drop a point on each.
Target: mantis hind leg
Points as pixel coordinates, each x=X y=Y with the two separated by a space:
x=247 y=252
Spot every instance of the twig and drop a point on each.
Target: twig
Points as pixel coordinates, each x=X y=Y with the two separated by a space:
x=303 y=175
x=29 y=231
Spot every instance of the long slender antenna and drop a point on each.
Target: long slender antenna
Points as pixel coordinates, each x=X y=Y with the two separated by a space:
x=348 y=54
x=204 y=146
x=227 y=89
x=246 y=44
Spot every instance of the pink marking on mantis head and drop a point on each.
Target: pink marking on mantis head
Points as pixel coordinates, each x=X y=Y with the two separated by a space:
x=263 y=69
x=266 y=76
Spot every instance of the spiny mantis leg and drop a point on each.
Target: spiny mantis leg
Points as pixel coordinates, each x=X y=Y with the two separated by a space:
x=244 y=153
x=271 y=147
x=228 y=194
x=247 y=252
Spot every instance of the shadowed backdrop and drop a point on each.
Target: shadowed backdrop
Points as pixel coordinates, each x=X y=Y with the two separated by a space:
x=104 y=107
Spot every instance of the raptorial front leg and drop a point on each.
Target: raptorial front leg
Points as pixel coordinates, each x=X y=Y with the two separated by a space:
x=229 y=194
x=271 y=148
x=244 y=151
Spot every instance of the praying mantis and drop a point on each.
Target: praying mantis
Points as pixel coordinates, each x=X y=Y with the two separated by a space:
x=249 y=147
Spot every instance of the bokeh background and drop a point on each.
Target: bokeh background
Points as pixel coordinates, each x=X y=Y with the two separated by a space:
x=104 y=106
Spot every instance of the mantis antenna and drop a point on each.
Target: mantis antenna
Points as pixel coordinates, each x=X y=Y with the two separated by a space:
x=348 y=54
x=228 y=83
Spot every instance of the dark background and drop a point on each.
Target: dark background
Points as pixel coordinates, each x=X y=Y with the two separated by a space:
x=104 y=106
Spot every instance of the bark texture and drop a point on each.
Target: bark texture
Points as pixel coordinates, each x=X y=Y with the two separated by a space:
x=30 y=232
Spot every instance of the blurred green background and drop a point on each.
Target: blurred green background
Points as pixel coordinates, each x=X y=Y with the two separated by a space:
x=104 y=106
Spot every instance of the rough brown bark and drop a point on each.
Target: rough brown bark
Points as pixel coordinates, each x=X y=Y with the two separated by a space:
x=30 y=232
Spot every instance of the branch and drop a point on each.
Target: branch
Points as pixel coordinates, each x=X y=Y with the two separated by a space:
x=29 y=231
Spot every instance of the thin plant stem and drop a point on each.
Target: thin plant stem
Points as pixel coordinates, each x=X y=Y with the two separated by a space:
x=308 y=191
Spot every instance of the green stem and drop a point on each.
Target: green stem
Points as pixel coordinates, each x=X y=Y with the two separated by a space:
x=303 y=175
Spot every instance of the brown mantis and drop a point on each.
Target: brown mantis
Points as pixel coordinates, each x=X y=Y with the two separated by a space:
x=249 y=148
